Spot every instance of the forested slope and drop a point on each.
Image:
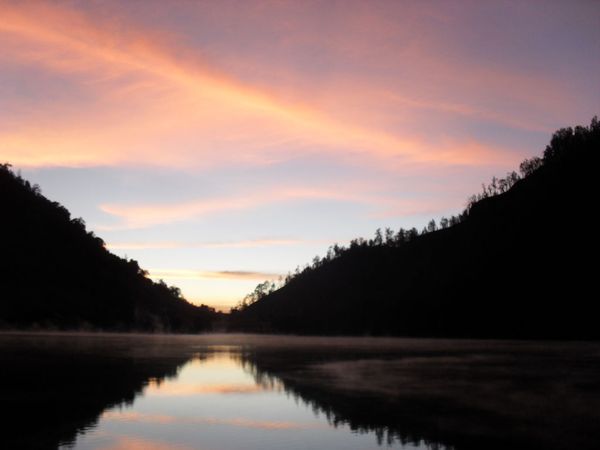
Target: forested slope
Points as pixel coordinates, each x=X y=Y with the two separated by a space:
x=55 y=274
x=519 y=262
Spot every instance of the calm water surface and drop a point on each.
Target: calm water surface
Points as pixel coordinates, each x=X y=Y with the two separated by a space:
x=255 y=392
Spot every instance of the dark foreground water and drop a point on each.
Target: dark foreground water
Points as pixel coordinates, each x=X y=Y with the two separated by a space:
x=222 y=392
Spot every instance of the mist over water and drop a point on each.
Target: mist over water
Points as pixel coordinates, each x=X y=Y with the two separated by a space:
x=266 y=392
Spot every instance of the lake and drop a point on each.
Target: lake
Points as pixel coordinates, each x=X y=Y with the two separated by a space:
x=102 y=391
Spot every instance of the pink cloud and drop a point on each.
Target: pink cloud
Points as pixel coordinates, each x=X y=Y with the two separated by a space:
x=156 y=102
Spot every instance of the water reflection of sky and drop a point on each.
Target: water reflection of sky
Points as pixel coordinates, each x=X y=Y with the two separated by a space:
x=215 y=404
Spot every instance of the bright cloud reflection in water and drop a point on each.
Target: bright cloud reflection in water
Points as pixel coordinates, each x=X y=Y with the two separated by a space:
x=218 y=402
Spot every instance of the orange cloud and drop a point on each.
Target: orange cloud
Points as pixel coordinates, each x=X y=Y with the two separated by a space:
x=152 y=94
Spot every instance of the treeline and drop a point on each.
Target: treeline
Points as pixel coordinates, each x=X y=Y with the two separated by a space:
x=535 y=209
x=391 y=238
x=54 y=274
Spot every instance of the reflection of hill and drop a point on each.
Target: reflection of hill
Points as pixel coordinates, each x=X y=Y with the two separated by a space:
x=53 y=387
x=462 y=398
x=463 y=394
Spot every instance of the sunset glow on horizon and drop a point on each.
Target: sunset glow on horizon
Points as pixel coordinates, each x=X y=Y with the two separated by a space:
x=223 y=143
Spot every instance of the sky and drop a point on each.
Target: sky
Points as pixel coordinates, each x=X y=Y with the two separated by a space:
x=223 y=143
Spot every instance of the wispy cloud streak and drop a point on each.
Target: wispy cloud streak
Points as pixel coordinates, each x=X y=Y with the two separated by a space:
x=155 y=79
x=188 y=274
x=249 y=243
x=148 y=215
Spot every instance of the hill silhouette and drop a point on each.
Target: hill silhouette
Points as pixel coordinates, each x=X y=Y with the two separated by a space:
x=519 y=262
x=55 y=274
